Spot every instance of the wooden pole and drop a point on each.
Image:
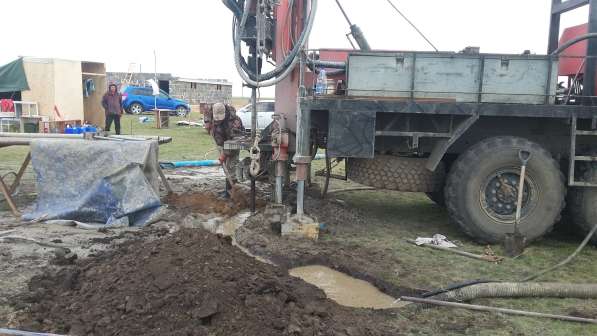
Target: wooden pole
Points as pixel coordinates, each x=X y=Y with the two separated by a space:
x=9 y=199
x=20 y=174
x=497 y=310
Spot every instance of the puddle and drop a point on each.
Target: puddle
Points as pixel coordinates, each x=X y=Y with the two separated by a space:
x=345 y=290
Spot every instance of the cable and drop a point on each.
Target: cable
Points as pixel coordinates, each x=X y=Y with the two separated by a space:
x=411 y=24
x=565 y=261
x=343 y=12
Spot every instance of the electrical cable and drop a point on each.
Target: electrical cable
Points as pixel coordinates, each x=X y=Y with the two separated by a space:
x=412 y=24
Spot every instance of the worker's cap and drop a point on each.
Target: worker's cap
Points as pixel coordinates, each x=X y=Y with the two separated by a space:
x=219 y=112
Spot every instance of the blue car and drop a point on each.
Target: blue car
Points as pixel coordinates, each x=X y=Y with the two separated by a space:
x=138 y=99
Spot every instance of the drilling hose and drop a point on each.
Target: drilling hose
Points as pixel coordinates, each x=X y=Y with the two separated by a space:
x=520 y=290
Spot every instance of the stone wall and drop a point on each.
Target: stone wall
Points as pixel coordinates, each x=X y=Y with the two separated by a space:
x=197 y=93
x=139 y=79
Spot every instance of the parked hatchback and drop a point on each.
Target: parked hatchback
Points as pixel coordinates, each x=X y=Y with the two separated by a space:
x=137 y=99
x=265 y=111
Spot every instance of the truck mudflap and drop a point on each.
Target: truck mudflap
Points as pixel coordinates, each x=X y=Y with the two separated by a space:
x=351 y=134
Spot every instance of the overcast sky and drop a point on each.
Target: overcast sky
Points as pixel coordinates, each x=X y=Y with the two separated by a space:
x=192 y=38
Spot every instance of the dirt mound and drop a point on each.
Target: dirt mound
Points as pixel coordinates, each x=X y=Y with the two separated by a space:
x=190 y=283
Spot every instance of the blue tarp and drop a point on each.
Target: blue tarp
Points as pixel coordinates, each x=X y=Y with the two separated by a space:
x=108 y=182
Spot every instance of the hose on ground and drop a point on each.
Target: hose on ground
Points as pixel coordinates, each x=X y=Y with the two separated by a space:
x=567 y=260
x=520 y=289
x=474 y=289
x=453 y=287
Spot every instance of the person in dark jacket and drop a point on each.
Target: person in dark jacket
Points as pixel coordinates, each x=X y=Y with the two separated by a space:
x=225 y=125
x=112 y=103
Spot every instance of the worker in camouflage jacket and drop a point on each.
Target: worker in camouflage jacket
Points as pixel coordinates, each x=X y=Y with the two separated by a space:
x=223 y=124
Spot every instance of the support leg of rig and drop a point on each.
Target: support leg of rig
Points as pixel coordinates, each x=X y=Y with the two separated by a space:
x=279 y=180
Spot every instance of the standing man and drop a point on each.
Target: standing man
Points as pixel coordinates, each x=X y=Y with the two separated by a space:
x=112 y=103
x=225 y=125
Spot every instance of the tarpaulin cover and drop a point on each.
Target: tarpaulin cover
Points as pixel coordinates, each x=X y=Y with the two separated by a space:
x=12 y=77
x=111 y=182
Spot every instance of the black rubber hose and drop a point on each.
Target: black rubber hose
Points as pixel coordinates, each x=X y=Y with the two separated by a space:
x=454 y=287
x=313 y=68
x=233 y=6
x=572 y=42
x=287 y=61
x=328 y=172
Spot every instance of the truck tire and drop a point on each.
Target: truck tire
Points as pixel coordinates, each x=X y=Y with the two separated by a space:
x=395 y=173
x=437 y=197
x=581 y=205
x=482 y=188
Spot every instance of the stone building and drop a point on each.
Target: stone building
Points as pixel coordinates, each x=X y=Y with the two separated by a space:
x=198 y=91
x=194 y=91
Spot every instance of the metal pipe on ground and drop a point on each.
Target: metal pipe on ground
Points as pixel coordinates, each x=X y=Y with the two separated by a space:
x=4 y=331
x=497 y=310
x=41 y=135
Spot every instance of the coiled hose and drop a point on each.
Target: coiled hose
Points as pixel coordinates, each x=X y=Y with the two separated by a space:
x=281 y=71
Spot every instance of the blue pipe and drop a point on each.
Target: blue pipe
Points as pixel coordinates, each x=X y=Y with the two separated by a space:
x=179 y=164
x=205 y=163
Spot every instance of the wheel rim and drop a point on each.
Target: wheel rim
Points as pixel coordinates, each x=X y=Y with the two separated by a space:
x=181 y=111
x=499 y=195
x=136 y=109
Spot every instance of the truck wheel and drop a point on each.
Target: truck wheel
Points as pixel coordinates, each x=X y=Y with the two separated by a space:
x=395 y=173
x=581 y=205
x=482 y=188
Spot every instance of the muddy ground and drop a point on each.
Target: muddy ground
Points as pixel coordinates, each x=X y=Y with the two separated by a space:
x=213 y=288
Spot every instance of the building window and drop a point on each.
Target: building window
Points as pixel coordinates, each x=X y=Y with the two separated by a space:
x=193 y=85
x=219 y=87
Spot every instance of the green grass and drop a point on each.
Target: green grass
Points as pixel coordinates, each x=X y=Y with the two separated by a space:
x=188 y=143
x=394 y=217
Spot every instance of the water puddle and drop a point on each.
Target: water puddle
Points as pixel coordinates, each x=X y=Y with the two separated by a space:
x=345 y=290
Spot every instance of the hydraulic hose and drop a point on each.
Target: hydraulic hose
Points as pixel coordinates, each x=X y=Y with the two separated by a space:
x=233 y=6
x=281 y=71
x=328 y=64
x=289 y=61
x=572 y=42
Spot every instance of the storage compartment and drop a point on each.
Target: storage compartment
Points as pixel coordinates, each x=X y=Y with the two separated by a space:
x=466 y=78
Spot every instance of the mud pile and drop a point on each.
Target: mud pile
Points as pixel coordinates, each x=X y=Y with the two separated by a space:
x=208 y=202
x=190 y=283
